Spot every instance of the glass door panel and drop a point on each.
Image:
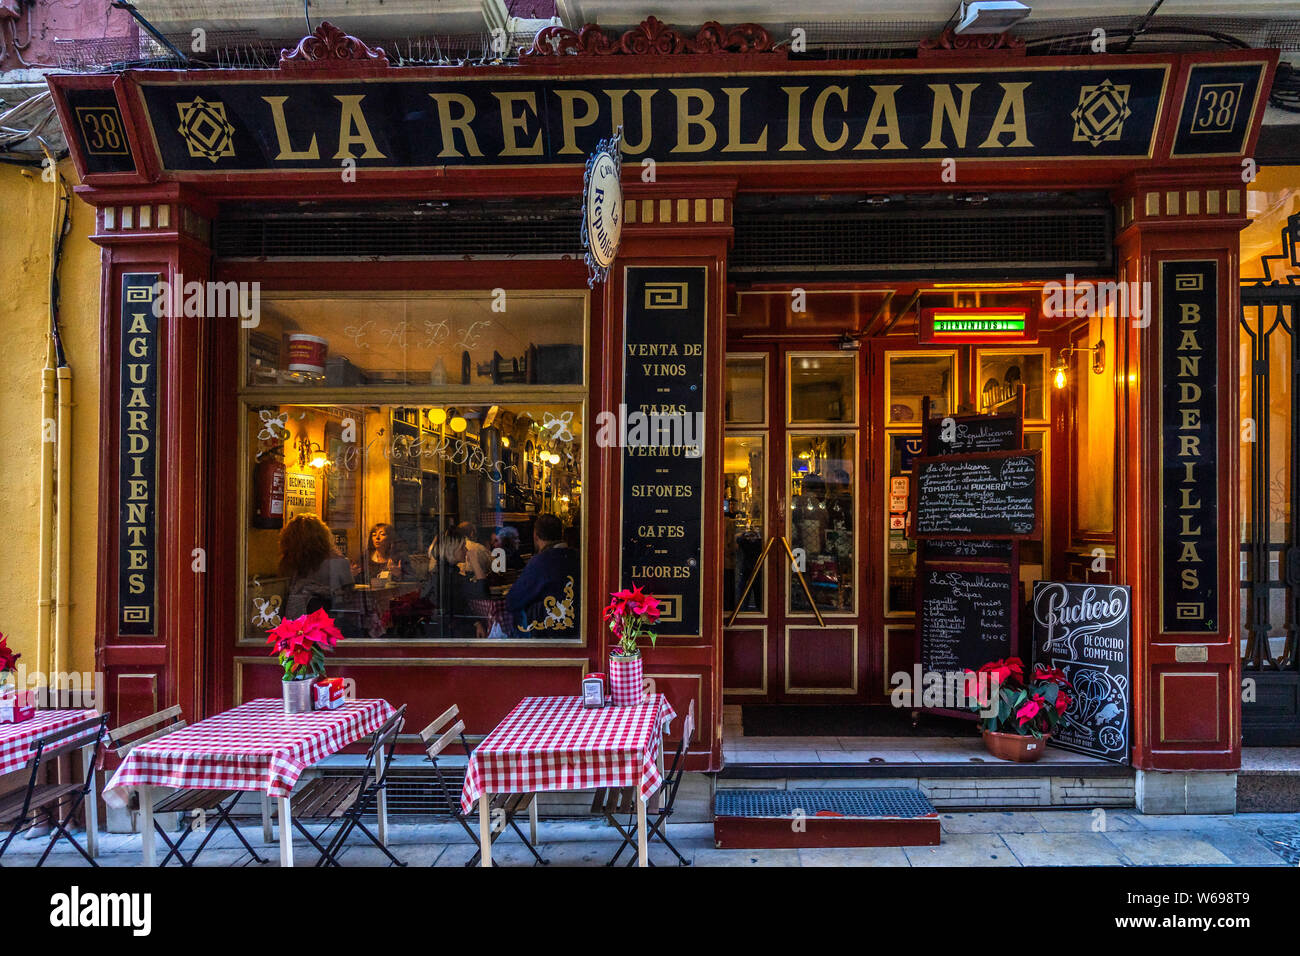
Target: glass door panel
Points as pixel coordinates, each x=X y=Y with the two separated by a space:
x=822 y=519
x=744 y=480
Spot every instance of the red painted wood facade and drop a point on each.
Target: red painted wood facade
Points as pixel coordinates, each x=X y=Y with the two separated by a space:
x=1187 y=715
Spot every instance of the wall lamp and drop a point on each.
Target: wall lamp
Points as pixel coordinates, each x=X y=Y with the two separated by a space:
x=310 y=454
x=1062 y=366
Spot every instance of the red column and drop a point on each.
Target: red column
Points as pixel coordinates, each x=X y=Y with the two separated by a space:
x=1186 y=610
x=159 y=231
x=677 y=223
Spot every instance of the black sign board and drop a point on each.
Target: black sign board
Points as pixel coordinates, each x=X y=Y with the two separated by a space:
x=663 y=439
x=1084 y=629
x=98 y=127
x=1189 y=414
x=138 y=434
x=966 y=617
x=1091 y=113
x=986 y=495
x=965 y=434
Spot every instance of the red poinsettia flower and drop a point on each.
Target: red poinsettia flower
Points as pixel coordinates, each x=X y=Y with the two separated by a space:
x=1053 y=674
x=1063 y=701
x=8 y=659
x=1029 y=710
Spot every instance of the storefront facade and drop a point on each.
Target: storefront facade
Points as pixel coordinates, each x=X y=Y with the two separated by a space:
x=424 y=349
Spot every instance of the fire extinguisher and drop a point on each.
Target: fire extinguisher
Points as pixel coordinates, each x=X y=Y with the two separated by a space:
x=268 y=490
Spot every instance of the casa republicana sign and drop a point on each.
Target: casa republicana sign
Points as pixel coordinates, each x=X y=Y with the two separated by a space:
x=602 y=208
x=1072 y=108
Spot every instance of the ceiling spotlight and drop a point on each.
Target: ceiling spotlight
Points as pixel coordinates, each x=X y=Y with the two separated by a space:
x=989 y=16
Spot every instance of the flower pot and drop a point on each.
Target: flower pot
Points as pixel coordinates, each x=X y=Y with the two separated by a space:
x=298 y=695
x=625 y=680
x=1017 y=747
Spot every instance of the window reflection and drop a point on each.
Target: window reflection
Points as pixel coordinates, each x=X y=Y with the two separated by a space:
x=486 y=338
x=426 y=522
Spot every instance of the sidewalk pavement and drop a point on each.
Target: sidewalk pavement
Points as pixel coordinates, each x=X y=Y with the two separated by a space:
x=1022 y=838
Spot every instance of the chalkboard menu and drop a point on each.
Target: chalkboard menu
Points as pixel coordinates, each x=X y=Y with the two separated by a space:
x=662 y=438
x=968 y=549
x=1084 y=629
x=966 y=618
x=966 y=434
x=991 y=495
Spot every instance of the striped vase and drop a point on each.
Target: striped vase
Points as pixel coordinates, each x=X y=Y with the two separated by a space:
x=625 y=680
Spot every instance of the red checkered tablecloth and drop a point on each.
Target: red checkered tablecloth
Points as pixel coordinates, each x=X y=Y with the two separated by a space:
x=16 y=739
x=554 y=743
x=256 y=746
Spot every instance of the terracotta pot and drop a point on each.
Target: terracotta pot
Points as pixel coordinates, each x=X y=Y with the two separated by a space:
x=1021 y=749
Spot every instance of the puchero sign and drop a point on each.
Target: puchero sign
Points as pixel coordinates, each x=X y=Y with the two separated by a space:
x=1111 y=110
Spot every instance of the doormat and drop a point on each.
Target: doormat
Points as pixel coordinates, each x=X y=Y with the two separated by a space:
x=771 y=721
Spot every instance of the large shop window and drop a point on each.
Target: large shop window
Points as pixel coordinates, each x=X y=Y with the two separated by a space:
x=417 y=510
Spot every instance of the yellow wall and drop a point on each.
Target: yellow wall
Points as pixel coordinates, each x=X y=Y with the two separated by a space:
x=25 y=216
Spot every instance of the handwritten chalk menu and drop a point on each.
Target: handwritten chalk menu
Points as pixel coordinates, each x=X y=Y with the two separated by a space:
x=662 y=437
x=993 y=495
x=968 y=549
x=966 y=618
x=966 y=434
x=1084 y=629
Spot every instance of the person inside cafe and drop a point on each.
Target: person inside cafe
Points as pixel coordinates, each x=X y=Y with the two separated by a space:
x=507 y=539
x=478 y=560
x=385 y=559
x=455 y=597
x=317 y=573
x=550 y=571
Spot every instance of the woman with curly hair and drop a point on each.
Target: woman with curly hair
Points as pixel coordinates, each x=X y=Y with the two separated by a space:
x=318 y=575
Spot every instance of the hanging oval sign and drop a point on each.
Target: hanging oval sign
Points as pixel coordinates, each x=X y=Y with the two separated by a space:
x=602 y=220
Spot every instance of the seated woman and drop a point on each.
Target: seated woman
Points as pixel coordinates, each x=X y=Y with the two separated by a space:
x=318 y=575
x=383 y=555
x=454 y=596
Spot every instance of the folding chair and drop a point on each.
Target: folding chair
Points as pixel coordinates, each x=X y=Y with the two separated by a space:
x=345 y=800
x=22 y=810
x=612 y=802
x=199 y=804
x=436 y=740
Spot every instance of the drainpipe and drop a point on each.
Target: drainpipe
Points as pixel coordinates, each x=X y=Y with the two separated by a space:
x=54 y=659
x=44 y=657
x=63 y=523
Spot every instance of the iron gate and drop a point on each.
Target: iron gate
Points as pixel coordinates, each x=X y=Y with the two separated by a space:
x=1270 y=547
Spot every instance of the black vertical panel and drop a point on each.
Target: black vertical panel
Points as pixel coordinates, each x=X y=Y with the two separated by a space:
x=664 y=364
x=1189 y=421
x=138 y=435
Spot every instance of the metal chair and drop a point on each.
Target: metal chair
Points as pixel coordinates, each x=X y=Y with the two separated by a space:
x=611 y=802
x=436 y=740
x=345 y=800
x=199 y=804
x=24 y=809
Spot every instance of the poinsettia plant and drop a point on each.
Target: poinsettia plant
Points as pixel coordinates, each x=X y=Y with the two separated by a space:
x=302 y=642
x=8 y=659
x=1027 y=706
x=630 y=614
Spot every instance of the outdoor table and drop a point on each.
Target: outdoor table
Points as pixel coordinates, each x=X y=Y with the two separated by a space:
x=255 y=747
x=16 y=752
x=555 y=743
